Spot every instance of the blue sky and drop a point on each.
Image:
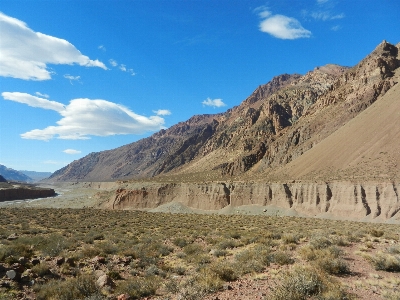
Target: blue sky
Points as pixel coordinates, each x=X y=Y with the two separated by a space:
x=85 y=76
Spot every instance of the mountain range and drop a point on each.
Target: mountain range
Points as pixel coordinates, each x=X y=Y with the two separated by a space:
x=331 y=124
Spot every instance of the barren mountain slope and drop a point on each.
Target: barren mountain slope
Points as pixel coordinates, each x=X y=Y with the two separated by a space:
x=367 y=147
x=164 y=150
x=277 y=123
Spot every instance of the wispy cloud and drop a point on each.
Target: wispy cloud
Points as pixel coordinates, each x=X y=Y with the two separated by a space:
x=162 y=112
x=326 y=15
x=113 y=62
x=71 y=151
x=101 y=47
x=26 y=53
x=42 y=95
x=336 y=28
x=72 y=78
x=82 y=118
x=280 y=26
x=213 y=102
x=121 y=67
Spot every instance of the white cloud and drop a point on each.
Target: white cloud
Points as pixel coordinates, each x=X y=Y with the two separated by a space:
x=26 y=53
x=33 y=101
x=42 y=95
x=113 y=62
x=82 y=118
x=101 y=47
x=213 y=102
x=162 y=112
x=122 y=68
x=71 y=151
x=336 y=28
x=282 y=27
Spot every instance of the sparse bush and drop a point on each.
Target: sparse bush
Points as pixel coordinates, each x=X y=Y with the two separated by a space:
x=252 y=260
x=320 y=242
x=304 y=283
x=332 y=265
x=282 y=258
x=227 y=244
x=376 y=232
x=41 y=269
x=192 y=249
x=138 y=287
x=225 y=271
x=290 y=238
x=385 y=262
x=180 y=242
x=75 y=288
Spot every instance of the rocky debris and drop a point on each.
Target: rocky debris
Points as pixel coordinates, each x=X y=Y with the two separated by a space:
x=35 y=261
x=123 y=297
x=105 y=281
x=98 y=273
x=13 y=275
x=99 y=260
x=59 y=260
x=12 y=237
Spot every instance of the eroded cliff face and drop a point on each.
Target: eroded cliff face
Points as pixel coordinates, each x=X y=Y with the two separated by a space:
x=206 y=196
x=373 y=201
x=20 y=193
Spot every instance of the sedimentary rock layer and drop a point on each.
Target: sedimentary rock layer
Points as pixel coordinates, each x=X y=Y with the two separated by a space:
x=371 y=200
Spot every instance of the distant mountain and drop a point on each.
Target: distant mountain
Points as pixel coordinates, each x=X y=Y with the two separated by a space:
x=36 y=176
x=14 y=175
x=277 y=124
x=2 y=179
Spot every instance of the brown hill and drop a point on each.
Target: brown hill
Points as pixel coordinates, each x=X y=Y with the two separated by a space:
x=275 y=125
